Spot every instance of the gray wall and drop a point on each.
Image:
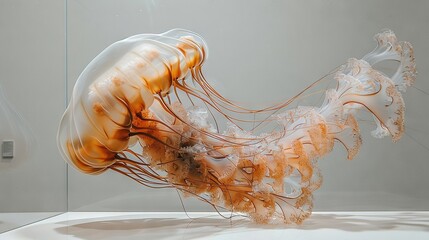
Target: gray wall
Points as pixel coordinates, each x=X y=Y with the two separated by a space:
x=260 y=51
x=32 y=67
x=266 y=51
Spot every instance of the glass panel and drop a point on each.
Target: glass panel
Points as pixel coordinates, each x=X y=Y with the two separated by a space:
x=262 y=52
x=32 y=96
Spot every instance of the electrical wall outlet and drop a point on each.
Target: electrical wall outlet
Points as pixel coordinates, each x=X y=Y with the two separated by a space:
x=7 y=149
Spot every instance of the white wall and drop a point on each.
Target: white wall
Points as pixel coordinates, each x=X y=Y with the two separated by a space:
x=32 y=68
x=259 y=51
x=267 y=51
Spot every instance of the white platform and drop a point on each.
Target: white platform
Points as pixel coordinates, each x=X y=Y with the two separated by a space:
x=130 y=225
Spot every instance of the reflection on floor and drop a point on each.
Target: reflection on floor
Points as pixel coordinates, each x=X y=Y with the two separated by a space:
x=129 y=225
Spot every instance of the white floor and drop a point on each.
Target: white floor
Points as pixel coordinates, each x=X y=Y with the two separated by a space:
x=326 y=225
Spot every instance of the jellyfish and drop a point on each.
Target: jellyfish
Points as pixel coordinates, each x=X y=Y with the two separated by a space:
x=143 y=108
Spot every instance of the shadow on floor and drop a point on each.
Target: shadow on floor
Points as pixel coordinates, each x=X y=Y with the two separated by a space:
x=165 y=228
